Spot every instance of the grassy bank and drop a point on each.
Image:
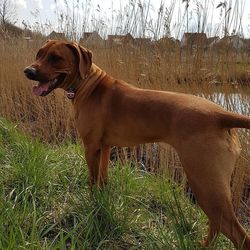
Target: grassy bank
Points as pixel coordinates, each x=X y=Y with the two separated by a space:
x=46 y=203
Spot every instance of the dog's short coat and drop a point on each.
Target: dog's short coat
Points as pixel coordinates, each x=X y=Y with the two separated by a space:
x=110 y=112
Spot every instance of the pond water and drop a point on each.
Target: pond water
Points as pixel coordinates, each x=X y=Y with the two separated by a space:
x=232 y=98
x=236 y=102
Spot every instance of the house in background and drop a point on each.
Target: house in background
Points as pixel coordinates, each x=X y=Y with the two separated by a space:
x=92 y=39
x=120 y=40
x=56 y=36
x=229 y=42
x=142 y=41
x=247 y=45
x=168 y=42
x=211 y=41
x=194 y=40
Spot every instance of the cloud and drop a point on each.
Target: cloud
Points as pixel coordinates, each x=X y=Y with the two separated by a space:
x=33 y=3
x=39 y=4
x=52 y=6
x=20 y=3
x=59 y=4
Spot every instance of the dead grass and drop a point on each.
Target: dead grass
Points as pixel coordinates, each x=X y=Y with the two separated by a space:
x=217 y=77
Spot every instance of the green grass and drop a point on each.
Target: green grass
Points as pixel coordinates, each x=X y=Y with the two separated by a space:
x=46 y=203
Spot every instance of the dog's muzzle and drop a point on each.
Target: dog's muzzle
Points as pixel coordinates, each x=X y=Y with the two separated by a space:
x=30 y=73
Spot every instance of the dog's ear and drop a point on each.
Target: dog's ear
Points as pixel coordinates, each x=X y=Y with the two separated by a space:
x=84 y=58
x=86 y=55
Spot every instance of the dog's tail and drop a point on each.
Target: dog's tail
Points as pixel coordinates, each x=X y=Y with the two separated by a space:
x=232 y=120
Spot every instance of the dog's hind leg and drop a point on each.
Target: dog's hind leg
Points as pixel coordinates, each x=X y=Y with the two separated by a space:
x=222 y=219
x=209 y=166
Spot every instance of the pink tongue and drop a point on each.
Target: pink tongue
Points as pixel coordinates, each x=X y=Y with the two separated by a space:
x=38 y=90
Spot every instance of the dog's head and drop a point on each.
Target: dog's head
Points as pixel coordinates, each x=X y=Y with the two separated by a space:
x=57 y=65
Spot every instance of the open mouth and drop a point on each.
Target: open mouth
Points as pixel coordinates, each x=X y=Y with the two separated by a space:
x=44 y=88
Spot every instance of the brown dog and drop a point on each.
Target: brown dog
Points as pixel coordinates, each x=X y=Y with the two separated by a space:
x=111 y=112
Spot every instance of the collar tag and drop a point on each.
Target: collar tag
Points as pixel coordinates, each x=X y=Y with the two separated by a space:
x=70 y=94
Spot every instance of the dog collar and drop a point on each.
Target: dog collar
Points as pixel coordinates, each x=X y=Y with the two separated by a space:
x=70 y=93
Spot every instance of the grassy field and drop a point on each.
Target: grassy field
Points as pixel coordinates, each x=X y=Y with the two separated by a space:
x=45 y=203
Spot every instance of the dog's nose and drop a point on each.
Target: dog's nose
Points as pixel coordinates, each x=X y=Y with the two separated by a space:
x=30 y=72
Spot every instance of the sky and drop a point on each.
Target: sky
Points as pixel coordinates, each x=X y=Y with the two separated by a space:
x=42 y=11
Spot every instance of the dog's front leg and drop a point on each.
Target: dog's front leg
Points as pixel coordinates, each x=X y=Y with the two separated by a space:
x=97 y=157
x=104 y=162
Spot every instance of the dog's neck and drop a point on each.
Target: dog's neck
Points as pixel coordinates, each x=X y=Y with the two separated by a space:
x=75 y=84
x=84 y=87
x=78 y=82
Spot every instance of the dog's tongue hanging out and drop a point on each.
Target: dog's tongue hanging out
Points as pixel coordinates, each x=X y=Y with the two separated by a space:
x=40 y=89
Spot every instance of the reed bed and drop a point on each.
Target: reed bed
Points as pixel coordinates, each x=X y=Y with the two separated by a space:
x=220 y=77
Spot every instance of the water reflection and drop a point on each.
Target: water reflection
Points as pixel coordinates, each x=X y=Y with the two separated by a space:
x=236 y=102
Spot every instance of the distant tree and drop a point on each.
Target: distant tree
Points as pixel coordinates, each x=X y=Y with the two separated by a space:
x=187 y=6
x=7 y=11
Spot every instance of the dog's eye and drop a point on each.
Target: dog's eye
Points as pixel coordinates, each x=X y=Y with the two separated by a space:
x=54 y=58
